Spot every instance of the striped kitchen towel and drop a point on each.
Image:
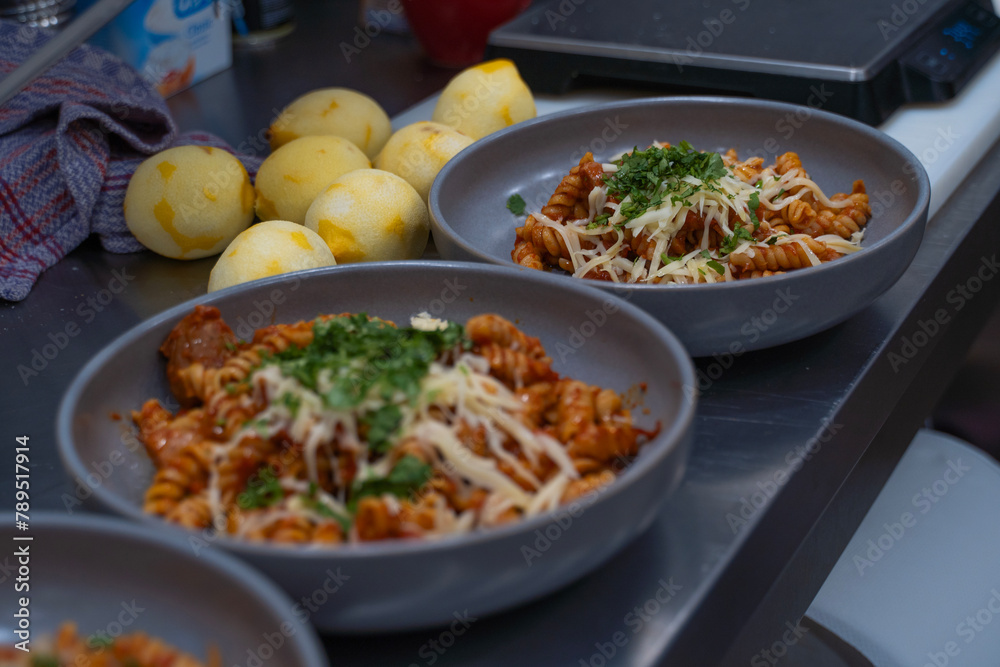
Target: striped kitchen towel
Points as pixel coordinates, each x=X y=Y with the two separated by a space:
x=69 y=142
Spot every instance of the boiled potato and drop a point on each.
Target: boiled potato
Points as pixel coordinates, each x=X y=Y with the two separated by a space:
x=484 y=99
x=418 y=151
x=268 y=249
x=291 y=177
x=370 y=215
x=189 y=202
x=337 y=111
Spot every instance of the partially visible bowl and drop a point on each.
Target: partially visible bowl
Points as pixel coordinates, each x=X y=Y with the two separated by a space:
x=397 y=585
x=470 y=222
x=113 y=577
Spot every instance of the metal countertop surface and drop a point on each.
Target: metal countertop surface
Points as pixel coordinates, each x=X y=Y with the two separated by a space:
x=792 y=444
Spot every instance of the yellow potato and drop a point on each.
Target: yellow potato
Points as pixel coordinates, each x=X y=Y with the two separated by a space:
x=292 y=176
x=484 y=99
x=370 y=215
x=418 y=151
x=337 y=111
x=268 y=249
x=189 y=202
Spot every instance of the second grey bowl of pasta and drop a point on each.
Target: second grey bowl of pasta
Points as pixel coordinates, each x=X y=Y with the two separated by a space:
x=113 y=578
x=410 y=584
x=470 y=221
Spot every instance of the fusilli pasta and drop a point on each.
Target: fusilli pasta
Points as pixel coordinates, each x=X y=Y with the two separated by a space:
x=675 y=215
x=346 y=429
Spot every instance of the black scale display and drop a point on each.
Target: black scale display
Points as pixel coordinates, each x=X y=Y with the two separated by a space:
x=860 y=58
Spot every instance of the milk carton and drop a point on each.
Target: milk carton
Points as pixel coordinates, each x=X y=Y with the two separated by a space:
x=173 y=43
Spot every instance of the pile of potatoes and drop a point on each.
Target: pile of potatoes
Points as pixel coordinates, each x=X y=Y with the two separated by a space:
x=338 y=186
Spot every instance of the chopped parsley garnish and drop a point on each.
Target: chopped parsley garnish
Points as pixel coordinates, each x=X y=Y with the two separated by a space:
x=382 y=424
x=647 y=177
x=772 y=240
x=716 y=266
x=752 y=207
x=231 y=346
x=354 y=358
x=666 y=259
x=515 y=204
x=324 y=510
x=733 y=241
x=263 y=490
x=291 y=401
x=599 y=221
x=406 y=477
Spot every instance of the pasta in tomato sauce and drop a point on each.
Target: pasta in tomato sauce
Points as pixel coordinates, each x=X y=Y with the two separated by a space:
x=671 y=214
x=349 y=429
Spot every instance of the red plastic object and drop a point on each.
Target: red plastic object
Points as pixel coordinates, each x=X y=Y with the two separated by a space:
x=453 y=33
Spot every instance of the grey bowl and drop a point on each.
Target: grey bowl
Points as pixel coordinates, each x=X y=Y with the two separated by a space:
x=409 y=584
x=469 y=219
x=111 y=576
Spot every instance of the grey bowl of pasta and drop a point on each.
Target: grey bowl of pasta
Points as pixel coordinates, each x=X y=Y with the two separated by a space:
x=96 y=590
x=388 y=440
x=740 y=224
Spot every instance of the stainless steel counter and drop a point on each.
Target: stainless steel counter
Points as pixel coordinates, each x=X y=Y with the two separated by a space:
x=792 y=444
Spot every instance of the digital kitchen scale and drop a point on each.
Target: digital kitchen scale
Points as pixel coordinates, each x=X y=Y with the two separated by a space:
x=860 y=58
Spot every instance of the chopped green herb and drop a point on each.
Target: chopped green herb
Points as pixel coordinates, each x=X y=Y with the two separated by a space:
x=733 y=241
x=261 y=426
x=753 y=205
x=325 y=510
x=772 y=240
x=716 y=266
x=231 y=388
x=599 y=221
x=408 y=475
x=701 y=271
x=263 y=490
x=220 y=421
x=777 y=177
x=361 y=357
x=706 y=254
x=292 y=402
x=666 y=259
x=516 y=204
x=231 y=346
x=382 y=424
x=645 y=178
x=45 y=661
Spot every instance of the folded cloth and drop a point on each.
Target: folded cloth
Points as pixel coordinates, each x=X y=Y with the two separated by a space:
x=69 y=142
